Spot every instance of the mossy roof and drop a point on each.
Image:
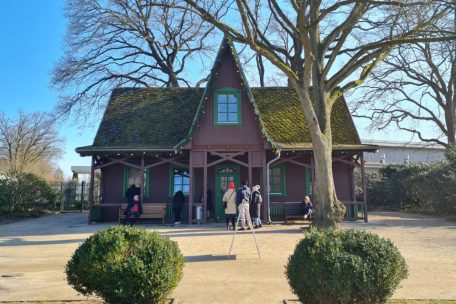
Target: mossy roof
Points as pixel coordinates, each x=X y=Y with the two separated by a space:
x=146 y=118
x=152 y=119
x=283 y=118
x=161 y=118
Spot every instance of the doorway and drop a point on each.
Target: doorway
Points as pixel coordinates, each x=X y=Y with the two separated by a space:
x=224 y=174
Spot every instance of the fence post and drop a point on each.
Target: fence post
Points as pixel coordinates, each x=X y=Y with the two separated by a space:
x=61 y=196
x=82 y=194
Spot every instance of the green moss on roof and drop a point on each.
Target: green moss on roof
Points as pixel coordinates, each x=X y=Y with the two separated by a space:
x=283 y=118
x=148 y=117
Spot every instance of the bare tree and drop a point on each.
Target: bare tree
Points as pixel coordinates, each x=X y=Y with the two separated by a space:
x=27 y=140
x=126 y=42
x=330 y=41
x=415 y=90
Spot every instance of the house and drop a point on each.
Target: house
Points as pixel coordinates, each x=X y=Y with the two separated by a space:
x=400 y=152
x=199 y=139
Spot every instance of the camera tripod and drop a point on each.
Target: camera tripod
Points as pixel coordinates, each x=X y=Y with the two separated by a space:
x=234 y=236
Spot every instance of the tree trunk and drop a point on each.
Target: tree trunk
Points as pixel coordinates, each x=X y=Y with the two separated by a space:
x=329 y=210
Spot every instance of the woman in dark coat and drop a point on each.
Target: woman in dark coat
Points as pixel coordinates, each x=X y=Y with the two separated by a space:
x=178 y=204
x=134 y=209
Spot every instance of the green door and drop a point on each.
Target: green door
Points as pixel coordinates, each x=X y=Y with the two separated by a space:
x=224 y=174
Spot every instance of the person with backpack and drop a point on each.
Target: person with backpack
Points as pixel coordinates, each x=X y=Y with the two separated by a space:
x=243 y=198
x=255 y=206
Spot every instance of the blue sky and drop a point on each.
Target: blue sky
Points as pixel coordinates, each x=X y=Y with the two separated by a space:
x=31 y=43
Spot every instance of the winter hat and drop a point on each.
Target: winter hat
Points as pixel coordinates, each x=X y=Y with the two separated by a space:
x=231 y=185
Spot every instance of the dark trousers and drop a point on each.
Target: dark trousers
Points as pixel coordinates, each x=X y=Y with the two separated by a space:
x=231 y=217
x=133 y=220
x=177 y=213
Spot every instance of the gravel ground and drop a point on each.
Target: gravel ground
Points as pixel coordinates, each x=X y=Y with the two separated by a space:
x=33 y=254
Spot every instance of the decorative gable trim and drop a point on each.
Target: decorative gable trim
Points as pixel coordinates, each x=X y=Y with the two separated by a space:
x=226 y=43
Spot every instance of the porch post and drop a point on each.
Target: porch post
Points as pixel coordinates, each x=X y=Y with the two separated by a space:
x=265 y=188
x=190 y=194
x=249 y=158
x=205 y=188
x=353 y=183
x=141 y=198
x=92 y=177
x=312 y=172
x=363 y=181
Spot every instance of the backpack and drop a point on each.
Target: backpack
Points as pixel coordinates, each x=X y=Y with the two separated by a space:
x=259 y=199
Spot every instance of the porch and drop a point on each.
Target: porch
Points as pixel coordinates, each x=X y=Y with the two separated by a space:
x=204 y=174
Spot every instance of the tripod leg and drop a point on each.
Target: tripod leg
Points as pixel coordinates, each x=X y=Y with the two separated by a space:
x=234 y=234
x=256 y=244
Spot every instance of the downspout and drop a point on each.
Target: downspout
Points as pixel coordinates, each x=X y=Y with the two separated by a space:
x=267 y=184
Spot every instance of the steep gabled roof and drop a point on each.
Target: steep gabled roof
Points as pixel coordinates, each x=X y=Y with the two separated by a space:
x=146 y=118
x=282 y=115
x=152 y=119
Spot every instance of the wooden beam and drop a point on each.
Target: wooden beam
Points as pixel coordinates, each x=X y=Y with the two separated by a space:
x=190 y=194
x=230 y=157
x=284 y=160
x=171 y=160
x=363 y=181
x=341 y=160
x=249 y=157
x=112 y=162
x=265 y=188
x=92 y=181
x=312 y=171
x=143 y=184
x=205 y=187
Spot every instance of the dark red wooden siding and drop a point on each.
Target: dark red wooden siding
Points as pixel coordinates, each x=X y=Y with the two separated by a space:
x=113 y=179
x=247 y=133
x=343 y=181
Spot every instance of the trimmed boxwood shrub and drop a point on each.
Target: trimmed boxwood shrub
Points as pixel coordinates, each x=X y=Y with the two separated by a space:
x=345 y=266
x=126 y=265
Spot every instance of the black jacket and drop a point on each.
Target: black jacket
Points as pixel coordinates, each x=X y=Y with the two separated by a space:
x=178 y=200
x=243 y=193
x=131 y=192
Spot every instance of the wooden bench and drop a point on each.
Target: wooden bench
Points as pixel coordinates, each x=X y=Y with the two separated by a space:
x=150 y=211
x=294 y=211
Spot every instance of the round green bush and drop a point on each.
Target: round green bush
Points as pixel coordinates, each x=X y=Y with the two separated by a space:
x=344 y=266
x=126 y=265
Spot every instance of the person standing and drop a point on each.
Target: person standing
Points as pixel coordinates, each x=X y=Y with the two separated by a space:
x=178 y=204
x=255 y=206
x=243 y=197
x=229 y=204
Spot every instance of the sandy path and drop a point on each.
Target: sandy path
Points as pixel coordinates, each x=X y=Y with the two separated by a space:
x=33 y=254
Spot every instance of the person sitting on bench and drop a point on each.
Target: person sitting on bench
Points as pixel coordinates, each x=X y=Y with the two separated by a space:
x=134 y=209
x=308 y=208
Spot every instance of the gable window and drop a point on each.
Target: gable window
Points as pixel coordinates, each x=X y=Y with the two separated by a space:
x=133 y=176
x=179 y=180
x=228 y=107
x=277 y=180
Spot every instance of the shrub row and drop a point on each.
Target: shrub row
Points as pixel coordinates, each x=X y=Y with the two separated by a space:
x=428 y=188
x=25 y=192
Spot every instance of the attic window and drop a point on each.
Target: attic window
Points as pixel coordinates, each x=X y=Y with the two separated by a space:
x=228 y=107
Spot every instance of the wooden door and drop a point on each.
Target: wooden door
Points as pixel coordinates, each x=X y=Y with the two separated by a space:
x=224 y=174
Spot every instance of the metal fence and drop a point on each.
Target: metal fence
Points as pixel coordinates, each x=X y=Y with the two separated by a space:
x=73 y=196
